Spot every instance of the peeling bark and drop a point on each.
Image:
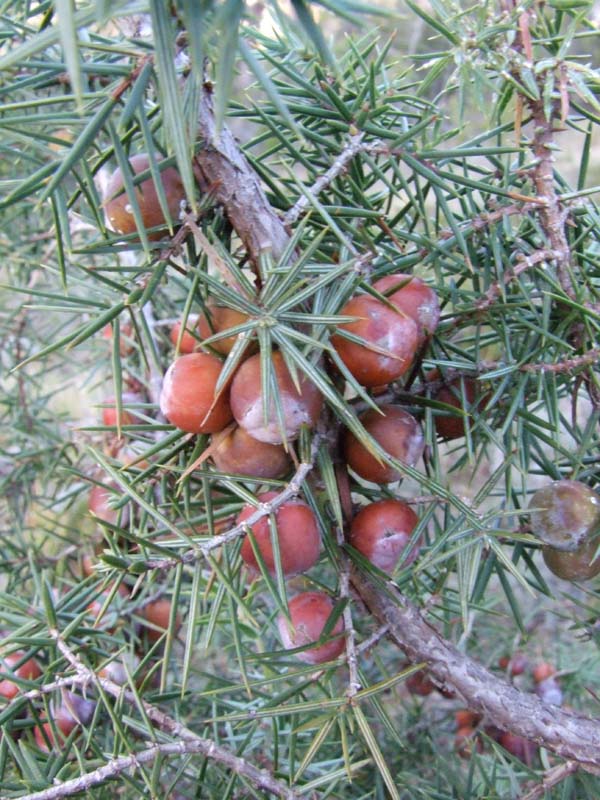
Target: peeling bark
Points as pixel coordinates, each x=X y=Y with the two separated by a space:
x=236 y=186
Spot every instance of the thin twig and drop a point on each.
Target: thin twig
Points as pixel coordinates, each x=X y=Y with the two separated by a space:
x=354 y=684
x=523 y=263
x=566 y=364
x=354 y=146
x=202 y=549
x=550 y=779
x=112 y=769
x=259 y=778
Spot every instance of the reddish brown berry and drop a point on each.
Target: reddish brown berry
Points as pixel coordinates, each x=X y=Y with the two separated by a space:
x=45 y=738
x=519 y=747
x=515 y=664
x=466 y=742
x=119 y=209
x=297 y=536
x=309 y=614
x=235 y=451
x=420 y=684
x=126 y=341
x=297 y=407
x=188 y=397
x=542 y=671
x=128 y=417
x=398 y=433
x=108 y=615
x=189 y=342
x=157 y=616
x=390 y=341
x=413 y=297
x=466 y=719
x=26 y=670
x=381 y=531
x=462 y=393
x=218 y=319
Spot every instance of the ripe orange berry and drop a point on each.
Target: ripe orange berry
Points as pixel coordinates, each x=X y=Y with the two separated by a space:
x=466 y=719
x=297 y=536
x=119 y=210
x=109 y=414
x=189 y=343
x=542 y=671
x=98 y=504
x=398 y=433
x=217 y=319
x=298 y=407
x=390 y=341
x=235 y=451
x=188 y=397
x=28 y=670
x=309 y=614
x=413 y=297
x=381 y=531
x=157 y=616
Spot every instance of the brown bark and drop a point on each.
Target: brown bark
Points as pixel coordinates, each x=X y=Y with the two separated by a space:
x=566 y=733
x=236 y=186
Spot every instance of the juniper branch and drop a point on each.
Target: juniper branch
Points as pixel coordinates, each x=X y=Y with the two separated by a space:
x=565 y=733
x=197 y=744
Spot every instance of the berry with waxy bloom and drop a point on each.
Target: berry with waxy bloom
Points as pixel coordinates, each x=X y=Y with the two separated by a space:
x=389 y=341
x=300 y=405
x=235 y=451
x=565 y=514
x=381 y=531
x=396 y=431
x=413 y=297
